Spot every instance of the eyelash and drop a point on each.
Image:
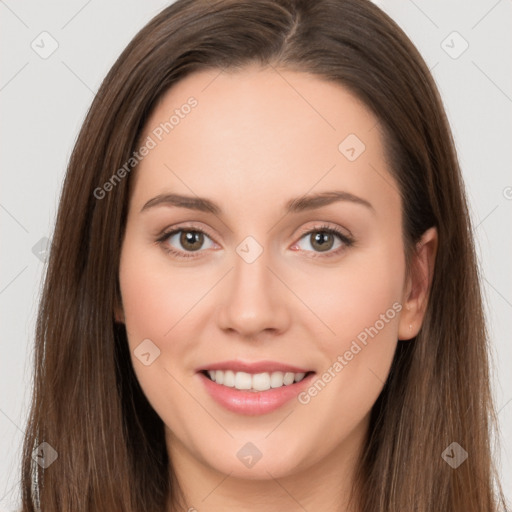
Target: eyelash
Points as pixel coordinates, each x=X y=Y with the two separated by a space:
x=346 y=240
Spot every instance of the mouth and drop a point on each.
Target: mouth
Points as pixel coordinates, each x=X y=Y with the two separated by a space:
x=253 y=388
x=257 y=382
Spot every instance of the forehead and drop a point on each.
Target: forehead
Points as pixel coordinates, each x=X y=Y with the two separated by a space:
x=254 y=132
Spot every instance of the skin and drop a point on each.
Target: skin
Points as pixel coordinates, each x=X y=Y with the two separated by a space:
x=258 y=138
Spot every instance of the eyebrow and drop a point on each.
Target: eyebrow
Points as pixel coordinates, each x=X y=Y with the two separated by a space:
x=299 y=204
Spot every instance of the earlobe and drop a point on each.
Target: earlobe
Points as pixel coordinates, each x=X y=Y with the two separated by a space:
x=416 y=293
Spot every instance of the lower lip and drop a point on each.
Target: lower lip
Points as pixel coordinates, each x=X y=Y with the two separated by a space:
x=253 y=403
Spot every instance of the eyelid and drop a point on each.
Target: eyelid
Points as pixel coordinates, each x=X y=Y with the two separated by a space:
x=327 y=227
x=187 y=226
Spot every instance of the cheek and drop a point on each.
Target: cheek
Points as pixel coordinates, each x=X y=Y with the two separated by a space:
x=154 y=306
x=355 y=295
x=361 y=304
x=159 y=306
x=154 y=301
x=170 y=306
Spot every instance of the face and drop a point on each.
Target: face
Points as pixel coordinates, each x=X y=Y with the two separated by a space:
x=262 y=270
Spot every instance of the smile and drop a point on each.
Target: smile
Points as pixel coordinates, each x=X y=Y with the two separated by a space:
x=254 y=382
x=253 y=388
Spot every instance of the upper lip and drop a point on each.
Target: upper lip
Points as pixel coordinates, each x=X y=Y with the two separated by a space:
x=253 y=367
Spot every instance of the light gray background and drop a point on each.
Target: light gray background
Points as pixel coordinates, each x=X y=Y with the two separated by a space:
x=44 y=101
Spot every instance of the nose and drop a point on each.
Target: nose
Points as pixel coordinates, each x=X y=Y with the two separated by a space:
x=253 y=300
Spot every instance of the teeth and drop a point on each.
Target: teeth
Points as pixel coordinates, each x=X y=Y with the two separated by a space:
x=229 y=379
x=243 y=380
x=254 y=382
x=261 y=381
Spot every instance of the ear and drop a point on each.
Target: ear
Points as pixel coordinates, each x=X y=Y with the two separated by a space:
x=417 y=286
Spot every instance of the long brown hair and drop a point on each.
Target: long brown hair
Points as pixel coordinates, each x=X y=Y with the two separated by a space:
x=87 y=403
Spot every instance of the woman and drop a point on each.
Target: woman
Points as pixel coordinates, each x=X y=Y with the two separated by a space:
x=262 y=291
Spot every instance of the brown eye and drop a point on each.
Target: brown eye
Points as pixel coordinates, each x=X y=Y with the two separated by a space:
x=325 y=240
x=322 y=241
x=191 y=240
x=183 y=242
